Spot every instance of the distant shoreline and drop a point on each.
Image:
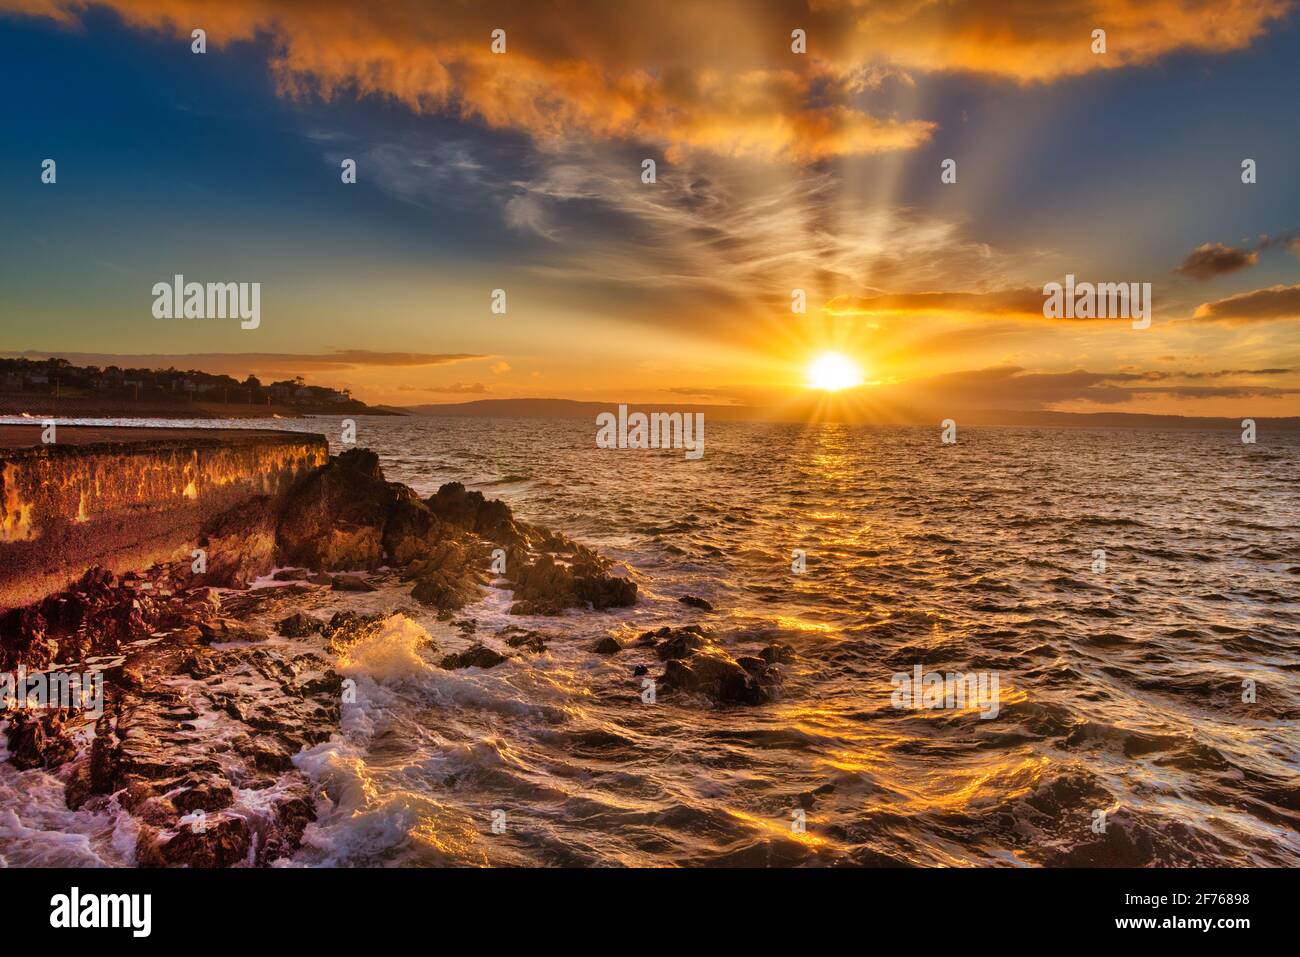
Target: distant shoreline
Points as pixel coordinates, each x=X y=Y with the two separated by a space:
x=47 y=406
x=572 y=409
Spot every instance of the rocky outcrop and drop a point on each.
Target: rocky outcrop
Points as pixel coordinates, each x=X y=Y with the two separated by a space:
x=449 y=574
x=491 y=520
x=576 y=578
x=335 y=518
x=95 y=617
x=215 y=707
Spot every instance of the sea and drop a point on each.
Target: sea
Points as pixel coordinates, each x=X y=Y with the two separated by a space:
x=1133 y=596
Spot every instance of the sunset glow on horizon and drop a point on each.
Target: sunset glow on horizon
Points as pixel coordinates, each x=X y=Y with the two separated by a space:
x=833 y=371
x=917 y=181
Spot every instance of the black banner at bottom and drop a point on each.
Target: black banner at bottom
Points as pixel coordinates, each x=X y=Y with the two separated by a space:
x=719 y=907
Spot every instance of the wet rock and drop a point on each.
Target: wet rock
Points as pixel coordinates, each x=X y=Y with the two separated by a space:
x=39 y=739
x=640 y=670
x=320 y=578
x=239 y=545
x=346 y=626
x=199 y=793
x=548 y=587
x=221 y=841
x=608 y=645
x=352 y=583
x=677 y=643
x=602 y=590
x=448 y=578
x=516 y=637
x=692 y=601
x=299 y=625
x=93 y=617
x=291 y=575
x=543 y=588
x=716 y=676
x=777 y=653
x=292 y=815
x=268 y=754
x=475 y=656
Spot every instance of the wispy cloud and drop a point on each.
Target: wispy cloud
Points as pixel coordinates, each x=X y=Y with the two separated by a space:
x=456 y=388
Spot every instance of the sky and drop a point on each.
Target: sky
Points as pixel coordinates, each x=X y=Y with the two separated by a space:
x=775 y=171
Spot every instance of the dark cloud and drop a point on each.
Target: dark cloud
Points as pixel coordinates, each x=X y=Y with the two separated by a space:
x=1215 y=259
x=1014 y=388
x=1260 y=305
x=241 y=363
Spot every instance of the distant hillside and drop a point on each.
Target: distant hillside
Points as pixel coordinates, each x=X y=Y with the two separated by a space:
x=810 y=409
x=55 y=386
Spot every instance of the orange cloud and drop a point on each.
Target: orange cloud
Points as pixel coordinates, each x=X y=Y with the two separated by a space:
x=1032 y=41
x=1006 y=304
x=716 y=76
x=596 y=71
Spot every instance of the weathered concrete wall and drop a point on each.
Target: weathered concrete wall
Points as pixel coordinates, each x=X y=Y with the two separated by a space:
x=126 y=498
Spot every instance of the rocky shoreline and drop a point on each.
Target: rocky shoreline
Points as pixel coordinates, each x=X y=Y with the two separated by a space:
x=212 y=686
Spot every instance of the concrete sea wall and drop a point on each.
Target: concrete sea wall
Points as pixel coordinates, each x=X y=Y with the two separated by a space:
x=125 y=498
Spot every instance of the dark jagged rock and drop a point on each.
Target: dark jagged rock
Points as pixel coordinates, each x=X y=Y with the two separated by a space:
x=694 y=602
x=777 y=653
x=489 y=519
x=608 y=645
x=291 y=575
x=299 y=625
x=39 y=739
x=93 y=617
x=516 y=637
x=334 y=519
x=475 y=656
x=543 y=588
x=411 y=529
x=716 y=676
x=348 y=626
x=448 y=578
x=602 y=590
x=549 y=587
x=677 y=643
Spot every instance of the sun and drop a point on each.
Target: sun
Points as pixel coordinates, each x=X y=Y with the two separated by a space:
x=832 y=371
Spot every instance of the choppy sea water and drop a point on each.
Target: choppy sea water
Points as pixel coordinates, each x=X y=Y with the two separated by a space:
x=1121 y=734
